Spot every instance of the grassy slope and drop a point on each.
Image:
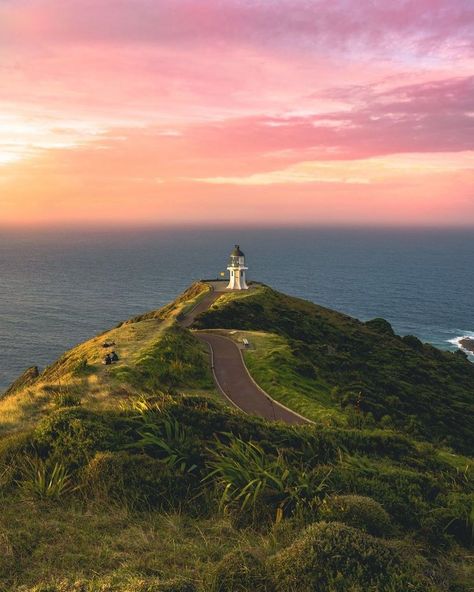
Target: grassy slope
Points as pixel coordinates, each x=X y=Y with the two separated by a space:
x=423 y=390
x=113 y=532
x=147 y=347
x=275 y=368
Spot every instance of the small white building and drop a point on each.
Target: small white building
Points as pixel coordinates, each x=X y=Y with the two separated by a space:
x=237 y=270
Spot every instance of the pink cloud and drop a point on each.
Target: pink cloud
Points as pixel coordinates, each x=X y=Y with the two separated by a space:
x=132 y=99
x=290 y=24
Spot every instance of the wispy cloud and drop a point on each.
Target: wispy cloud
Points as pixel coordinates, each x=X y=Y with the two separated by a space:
x=159 y=106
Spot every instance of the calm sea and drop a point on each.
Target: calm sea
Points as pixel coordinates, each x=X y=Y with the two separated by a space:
x=58 y=288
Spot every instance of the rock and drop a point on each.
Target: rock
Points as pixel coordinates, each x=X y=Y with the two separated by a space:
x=467 y=343
x=28 y=378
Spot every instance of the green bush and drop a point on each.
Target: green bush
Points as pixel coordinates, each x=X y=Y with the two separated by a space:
x=167 y=439
x=12 y=450
x=336 y=557
x=357 y=511
x=405 y=494
x=14 y=445
x=72 y=435
x=240 y=571
x=134 y=479
x=381 y=326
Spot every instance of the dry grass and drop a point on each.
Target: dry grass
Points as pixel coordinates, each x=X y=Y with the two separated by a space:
x=80 y=371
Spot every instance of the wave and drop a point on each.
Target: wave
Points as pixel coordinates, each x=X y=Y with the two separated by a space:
x=457 y=341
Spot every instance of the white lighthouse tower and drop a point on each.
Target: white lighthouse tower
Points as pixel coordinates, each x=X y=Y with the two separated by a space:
x=237 y=270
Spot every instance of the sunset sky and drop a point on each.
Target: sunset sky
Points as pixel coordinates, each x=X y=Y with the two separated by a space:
x=236 y=111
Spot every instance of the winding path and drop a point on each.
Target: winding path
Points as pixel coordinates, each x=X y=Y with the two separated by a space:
x=235 y=383
x=230 y=372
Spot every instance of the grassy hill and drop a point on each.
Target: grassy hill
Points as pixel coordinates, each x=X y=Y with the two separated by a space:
x=137 y=477
x=316 y=357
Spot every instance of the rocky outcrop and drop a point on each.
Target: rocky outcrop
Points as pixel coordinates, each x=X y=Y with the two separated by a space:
x=28 y=378
x=467 y=343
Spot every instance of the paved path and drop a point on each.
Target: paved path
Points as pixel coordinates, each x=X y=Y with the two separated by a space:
x=230 y=373
x=201 y=306
x=235 y=382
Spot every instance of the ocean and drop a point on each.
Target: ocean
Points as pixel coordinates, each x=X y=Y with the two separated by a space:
x=60 y=287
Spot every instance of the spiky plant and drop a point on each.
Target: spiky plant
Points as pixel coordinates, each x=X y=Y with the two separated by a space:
x=46 y=481
x=249 y=479
x=170 y=441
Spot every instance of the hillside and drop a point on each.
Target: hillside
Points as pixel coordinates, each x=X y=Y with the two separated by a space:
x=139 y=477
x=337 y=362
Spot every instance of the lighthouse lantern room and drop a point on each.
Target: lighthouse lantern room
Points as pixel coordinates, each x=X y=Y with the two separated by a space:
x=237 y=270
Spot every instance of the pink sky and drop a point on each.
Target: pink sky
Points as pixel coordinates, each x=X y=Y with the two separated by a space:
x=236 y=111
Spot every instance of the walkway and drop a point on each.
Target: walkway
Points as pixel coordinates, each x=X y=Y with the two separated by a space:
x=230 y=373
x=235 y=383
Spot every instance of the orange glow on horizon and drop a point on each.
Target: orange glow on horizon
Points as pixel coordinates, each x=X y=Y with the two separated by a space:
x=152 y=113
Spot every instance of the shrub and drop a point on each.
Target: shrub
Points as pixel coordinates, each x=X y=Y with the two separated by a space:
x=263 y=485
x=333 y=556
x=357 y=511
x=134 y=479
x=413 y=342
x=240 y=571
x=72 y=435
x=170 y=441
x=405 y=494
x=12 y=450
x=381 y=326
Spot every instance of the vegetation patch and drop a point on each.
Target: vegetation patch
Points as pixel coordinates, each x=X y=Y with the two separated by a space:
x=375 y=374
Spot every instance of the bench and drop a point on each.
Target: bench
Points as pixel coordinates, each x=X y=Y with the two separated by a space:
x=246 y=343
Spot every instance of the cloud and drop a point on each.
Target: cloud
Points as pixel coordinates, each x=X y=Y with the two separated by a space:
x=294 y=25
x=368 y=171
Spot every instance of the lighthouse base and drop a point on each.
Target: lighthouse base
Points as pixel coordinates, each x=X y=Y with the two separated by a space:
x=237 y=280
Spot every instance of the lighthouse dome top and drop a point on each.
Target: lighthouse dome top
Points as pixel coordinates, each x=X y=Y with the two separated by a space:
x=237 y=252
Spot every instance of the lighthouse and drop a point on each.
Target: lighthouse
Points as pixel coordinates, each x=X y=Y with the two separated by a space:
x=237 y=270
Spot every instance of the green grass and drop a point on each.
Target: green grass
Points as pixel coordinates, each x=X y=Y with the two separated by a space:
x=44 y=543
x=151 y=355
x=172 y=485
x=277 y=371
x=122 y=477
x=417 y=388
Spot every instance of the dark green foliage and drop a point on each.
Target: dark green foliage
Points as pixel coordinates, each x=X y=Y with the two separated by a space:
x=172 y=442
x=425 y=391
x=336 y=557
x=240 y=571
x=261 y=484
x=45 y=481
x=413 y=342
x=138 y=481
x=381 y=326
x=405 y=494
x=73 y=435
x=357 y=511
